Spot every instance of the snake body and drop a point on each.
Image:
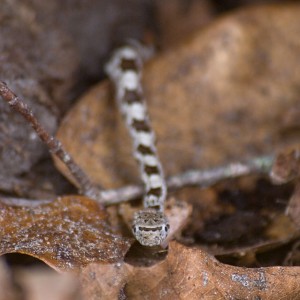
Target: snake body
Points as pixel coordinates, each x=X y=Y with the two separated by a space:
x=150 y=226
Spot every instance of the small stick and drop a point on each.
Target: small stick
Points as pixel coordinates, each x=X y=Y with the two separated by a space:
x=203 y=178
x=86 y=186
x=209 y=177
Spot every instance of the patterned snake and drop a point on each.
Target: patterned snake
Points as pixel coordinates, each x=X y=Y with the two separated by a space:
x=150 y=226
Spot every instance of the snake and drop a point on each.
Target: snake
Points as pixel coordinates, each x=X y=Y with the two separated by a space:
x=150 y=226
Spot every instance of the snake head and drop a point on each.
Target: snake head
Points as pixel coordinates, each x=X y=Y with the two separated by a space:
x=150 y=227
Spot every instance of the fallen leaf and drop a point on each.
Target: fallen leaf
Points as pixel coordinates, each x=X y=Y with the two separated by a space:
x=67 y=233
x=188 y=273
x=220 y=96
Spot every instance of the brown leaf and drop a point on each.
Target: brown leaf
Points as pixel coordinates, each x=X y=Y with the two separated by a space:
x=220 y=96
x=67 y=233
x=189 y=273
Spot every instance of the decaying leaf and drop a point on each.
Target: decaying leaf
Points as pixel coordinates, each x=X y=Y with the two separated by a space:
x=66 y=233
x=189 y=273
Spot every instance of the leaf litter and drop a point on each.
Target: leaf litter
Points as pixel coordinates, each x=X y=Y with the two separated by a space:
x=189 y=273
x=229 y=61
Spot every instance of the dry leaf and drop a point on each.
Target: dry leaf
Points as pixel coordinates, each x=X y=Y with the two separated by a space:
x=67 y=233
x=189 y=273
x=220 y=96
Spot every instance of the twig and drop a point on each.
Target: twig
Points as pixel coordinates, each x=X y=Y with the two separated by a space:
x=55 y=147
x=205 y=178
x=209 y=177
